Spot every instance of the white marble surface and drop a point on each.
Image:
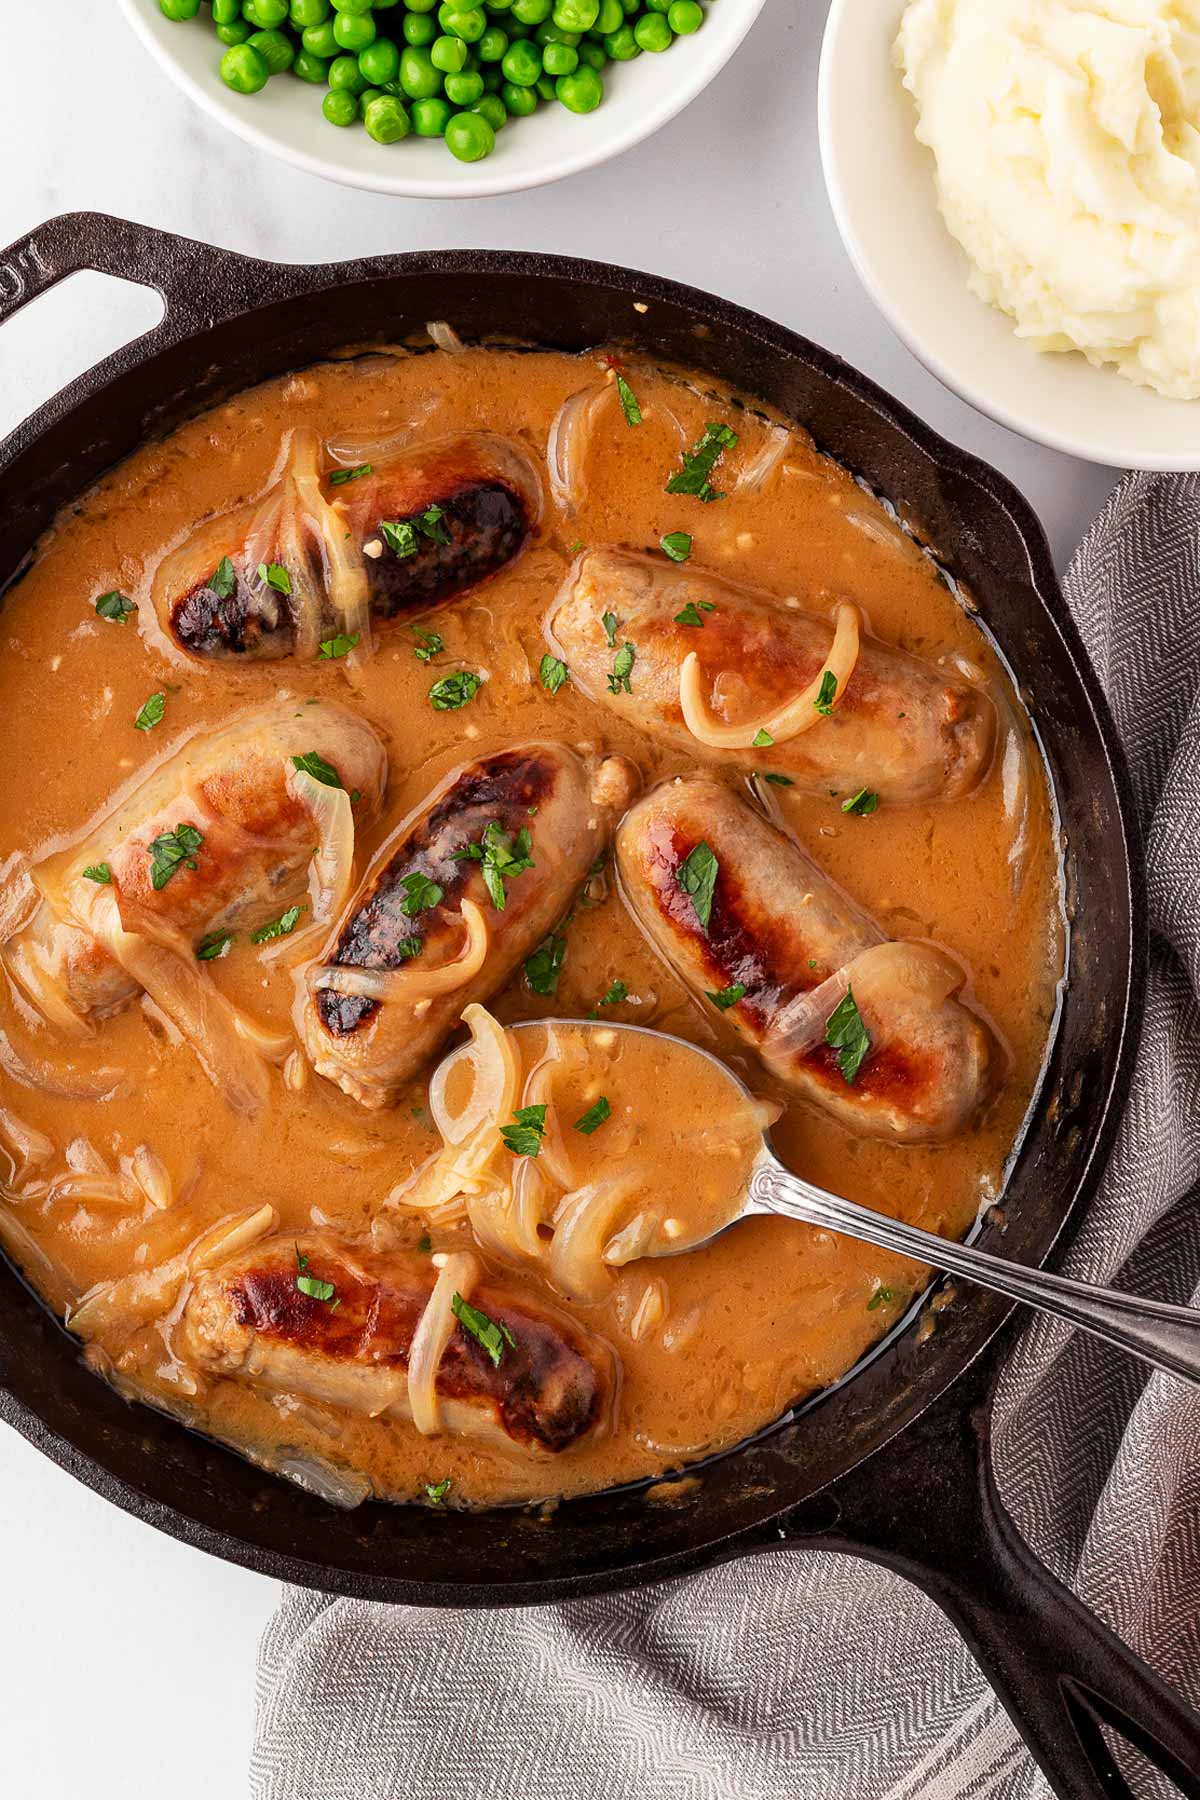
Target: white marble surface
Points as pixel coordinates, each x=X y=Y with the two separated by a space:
x=127 y=1666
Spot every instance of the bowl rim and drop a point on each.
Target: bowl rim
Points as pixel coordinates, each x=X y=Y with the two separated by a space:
x=836 y=43
x=466 y=181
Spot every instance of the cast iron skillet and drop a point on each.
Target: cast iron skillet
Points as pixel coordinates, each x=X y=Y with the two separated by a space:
x=928 y=1507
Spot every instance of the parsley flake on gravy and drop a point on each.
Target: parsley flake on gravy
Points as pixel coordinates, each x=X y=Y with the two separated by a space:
x=98 y=872
x=420 y=893
x=846 y=1033
x=762 y=739
x=700 y=461
x=678 y=545
x=171 y=851
x=438 y=1490
x=151 y=713
x=216 y=944
x=779 y=780
x=223 y=579
x=314 y=764
x=610 y=623
x=425 y=1243
x=553 y=673
x=501 y=858
x=311 y=1284
x=622 y=669
x=615 y=995
x=276 y=576
x=339 y=477
x=728 y=996
x=409 y=947
x=544 y=967
x=629 y=402
x=281 y=927
x=883 y=1296
x=691 y=614
x=492 y=1334
x=697 y=876
x=115 y=606
x=400 y=536
x=454 y=691
x=430 y=645
x=594 y=1117
x=341 y=645
x=862 y=803
x=826 y=693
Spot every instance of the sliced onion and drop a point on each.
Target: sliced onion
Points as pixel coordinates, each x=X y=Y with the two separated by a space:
x=83 y=1158
x=24 y=1250
x=331 y=870
x=583 y=1225
x=91 y=1189
x=567 y=445
x=412 y=982
x=46 y=988
x=153 y=1177
x=458 y=1275
x=30 y=1147
x=505 y=1218
x=334 y=1483
x=100 y=1086
x=351 y=452
x=800 y=1025
x=762 y=466
x=445 y=337
x=112 y=1309
x=539 y=1091
x=495 y=1086
x=651 y=1309
x=18 y=901
x=633 y=1240
x=788 y=721
x=345 y=576
x=231 y=1236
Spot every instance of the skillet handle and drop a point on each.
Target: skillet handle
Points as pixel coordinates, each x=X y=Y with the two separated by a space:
x=197 y=282
x=928 y=1507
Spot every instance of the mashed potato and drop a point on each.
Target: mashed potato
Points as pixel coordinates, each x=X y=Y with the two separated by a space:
x=1067 y=141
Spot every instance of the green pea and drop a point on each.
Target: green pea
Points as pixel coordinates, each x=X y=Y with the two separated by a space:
x=354 y=31
x=470 y=137
x=379 y=62
x=302 y=12
x=430 y=117
x=560 y=59
x=656 y=6
x=532 y=12
x=421 y=6
x=576 y=15
x=684 y=17
x=386 y=120
x=419 y=28
x=179 y=9
x=237 y=33
x=244 y=70
x=545 y=87
x=353 y=7
x=449 y=55
x=653 y=33
x=226 y=12
x=311 y=68
x=594 y=55
x=319 y=40
x=465 y=89
x=630 y=7
x=365 y=99
x=346 y=76
x=468 y=24
x=265 y=15
x=492 y=108
x=522 y=63
x=550 y=33
x=622 y=46
x=492 y=45
x=340 y=107
x=419 y=77
x=520 y=101
x=581 y=92
x=499 y=6
x=611 y=17
x=276 y=48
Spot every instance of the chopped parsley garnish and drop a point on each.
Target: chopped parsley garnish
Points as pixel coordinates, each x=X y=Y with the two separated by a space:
x=883 y=1296
x=454 y=691
x=524 y=1136
x=172 y=850
x=544 y=967
x=553 y=673
x=151 y=713
x=586 y=897
x=281 y=927
x=594 y=1117
x=700 y=461
x=400 y=536
x=314 y=764
x=610 y=623
x=420 y=893
x=629 y=402
x=678 y=545
x=340 y=477
x=341 y=645
x=622 y=669
x=692 y=611
x=311 y=1284
x=438 y=1490
x=616 y=993
x=223 y=579
x=429 y=646
x=762 y=739
x=409 y=947
x=861 y=803
x=501 y=857
x=728 y=996
x=98 y=872
x=425 y=1244
x=492 y=1334
x=846 y=1033
x=779 y=780
x=826 y=693
x=431 y=525
x=276 y=576
x=115 y=606
x=215 y=944
x=697 y=876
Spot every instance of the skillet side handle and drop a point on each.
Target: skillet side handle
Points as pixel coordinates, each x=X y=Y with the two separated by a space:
x=196 y=281
x=928 y=1507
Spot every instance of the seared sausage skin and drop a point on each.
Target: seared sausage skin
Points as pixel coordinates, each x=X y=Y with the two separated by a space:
x=779 y=927
x=232 y=785
x=904 y=728
x=248 y=1319
x=488 y=500
x=372 y=1047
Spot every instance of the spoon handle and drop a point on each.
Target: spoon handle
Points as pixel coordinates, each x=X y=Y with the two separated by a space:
x=1166 y=1336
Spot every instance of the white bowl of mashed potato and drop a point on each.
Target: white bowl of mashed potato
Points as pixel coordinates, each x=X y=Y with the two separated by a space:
x=1018 y=184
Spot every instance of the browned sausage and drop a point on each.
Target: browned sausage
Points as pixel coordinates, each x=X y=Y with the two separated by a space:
x=781 y=930
x=419 y=529
x=372 y=1046
x=554 y=1383
x=904 y=728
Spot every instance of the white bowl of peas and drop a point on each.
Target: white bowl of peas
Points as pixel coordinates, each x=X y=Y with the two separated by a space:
x=437 y=98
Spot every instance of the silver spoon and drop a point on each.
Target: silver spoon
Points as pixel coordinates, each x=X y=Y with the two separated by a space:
x=1168 y=1337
